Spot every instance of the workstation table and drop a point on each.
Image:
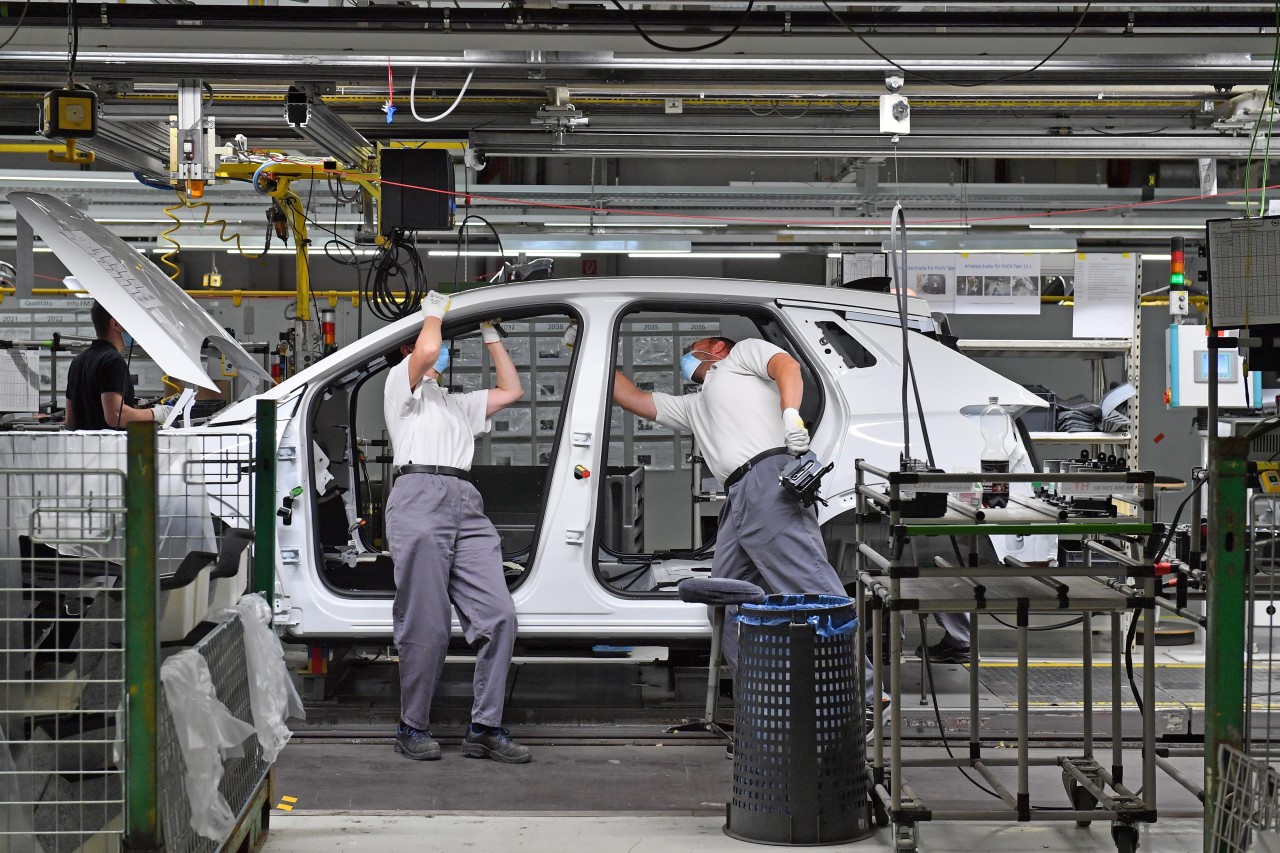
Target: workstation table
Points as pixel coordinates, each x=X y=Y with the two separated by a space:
x=892 y=583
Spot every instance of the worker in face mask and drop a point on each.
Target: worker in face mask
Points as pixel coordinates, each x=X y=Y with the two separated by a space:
x=747 y=424
x=99 y=388
x=445 y=550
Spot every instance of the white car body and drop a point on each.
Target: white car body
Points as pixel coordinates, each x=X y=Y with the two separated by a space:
x=561 y=597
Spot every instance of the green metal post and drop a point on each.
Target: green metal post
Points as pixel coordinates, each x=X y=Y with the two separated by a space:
x=264 y=511
x=1225 y=640
x=141 y=647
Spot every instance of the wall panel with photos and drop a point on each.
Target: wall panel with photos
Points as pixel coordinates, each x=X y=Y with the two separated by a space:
x=523 y=433
x=649 y=352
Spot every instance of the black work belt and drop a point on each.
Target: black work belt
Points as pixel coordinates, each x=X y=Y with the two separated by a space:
x=443 y=470
x=751 y=463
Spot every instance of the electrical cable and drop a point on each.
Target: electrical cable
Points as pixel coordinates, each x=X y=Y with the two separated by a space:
x=724 y=38
x=73 y=41
x=150 y=184
x=1268 y=97
x=1131 y=635
x=413 y=108
x=398 y=259
x=254 y=180
x=21 y=18
x=464 y=241
x=861 y=37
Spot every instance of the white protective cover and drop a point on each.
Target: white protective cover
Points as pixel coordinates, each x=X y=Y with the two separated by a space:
x=167 y=322
x=272 y=695
x=207 y=734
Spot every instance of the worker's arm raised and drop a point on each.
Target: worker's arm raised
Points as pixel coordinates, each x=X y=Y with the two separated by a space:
x=631 y=398
x=427 y=347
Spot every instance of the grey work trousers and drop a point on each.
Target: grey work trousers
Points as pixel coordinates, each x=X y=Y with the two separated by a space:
x=446 y=551
x=766 y=537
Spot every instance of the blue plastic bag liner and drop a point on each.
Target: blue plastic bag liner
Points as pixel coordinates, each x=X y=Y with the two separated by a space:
x=828 y=614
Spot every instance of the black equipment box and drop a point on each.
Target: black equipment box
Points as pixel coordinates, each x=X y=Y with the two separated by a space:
x=408 y=209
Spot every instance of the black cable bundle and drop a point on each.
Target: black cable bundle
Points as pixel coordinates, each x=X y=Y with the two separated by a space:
x=398 y=259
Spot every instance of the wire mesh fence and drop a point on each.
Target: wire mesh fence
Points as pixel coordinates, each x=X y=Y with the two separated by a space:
x=63 y=620
x=223 y=650
x=1247 y=805
x=1262 y=678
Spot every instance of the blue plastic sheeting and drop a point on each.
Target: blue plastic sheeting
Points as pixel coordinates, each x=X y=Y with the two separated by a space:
x=795 y=608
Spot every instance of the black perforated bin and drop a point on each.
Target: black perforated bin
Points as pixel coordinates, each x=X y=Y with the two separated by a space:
x=799 y=768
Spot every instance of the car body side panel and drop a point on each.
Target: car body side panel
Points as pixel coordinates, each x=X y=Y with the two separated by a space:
x=562 y=597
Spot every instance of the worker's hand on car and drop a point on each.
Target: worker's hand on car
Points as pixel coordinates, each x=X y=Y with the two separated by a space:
x=793 y=431
x=160 y=413
x=434 y=305
x=570 y=338
x=489 y=332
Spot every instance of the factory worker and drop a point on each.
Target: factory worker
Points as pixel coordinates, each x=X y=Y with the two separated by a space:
x=444 y=548
x=99 y=388
x=747 y=423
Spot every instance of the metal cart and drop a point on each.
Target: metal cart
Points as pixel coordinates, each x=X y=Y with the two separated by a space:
x=892 y=584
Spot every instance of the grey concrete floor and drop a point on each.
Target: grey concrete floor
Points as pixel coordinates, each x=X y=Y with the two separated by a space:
x=664 y=795
x=322 y=832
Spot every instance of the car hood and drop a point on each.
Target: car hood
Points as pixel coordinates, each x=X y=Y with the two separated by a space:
x=165 y=321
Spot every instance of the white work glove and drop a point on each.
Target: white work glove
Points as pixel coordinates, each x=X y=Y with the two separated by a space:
x=434 y=305
x=793 y=432
x=160 y=413
x=488 y=333
x=570 y=338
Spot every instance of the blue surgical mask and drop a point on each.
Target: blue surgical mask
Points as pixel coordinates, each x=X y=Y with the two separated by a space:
x=442 y=363
x=688 y=365
x=128 y=341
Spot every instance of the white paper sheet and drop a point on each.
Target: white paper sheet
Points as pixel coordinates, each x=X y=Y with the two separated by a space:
x=856 y=265
x=1106 y=295
x=997 y=284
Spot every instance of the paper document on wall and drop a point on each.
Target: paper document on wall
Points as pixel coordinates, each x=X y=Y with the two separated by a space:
x=856 y=265
x=997 y=284
x=1106 y=295
x=19 y=380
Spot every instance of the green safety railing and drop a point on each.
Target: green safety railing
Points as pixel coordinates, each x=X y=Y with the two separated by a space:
x=141 y=647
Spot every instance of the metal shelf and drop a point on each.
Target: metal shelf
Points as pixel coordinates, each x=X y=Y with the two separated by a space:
x=1081 y=437
x=1092 y=348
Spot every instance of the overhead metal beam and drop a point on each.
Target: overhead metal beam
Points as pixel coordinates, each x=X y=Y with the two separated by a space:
x=136 y=145
x=306 y=113
x=810 y=144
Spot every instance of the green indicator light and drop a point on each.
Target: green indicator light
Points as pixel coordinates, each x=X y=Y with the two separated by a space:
x=1177 y=278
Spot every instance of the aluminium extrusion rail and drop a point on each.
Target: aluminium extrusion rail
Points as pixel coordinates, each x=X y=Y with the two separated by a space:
x=896 y=584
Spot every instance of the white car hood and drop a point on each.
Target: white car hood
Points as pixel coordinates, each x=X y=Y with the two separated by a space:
x=166 y=322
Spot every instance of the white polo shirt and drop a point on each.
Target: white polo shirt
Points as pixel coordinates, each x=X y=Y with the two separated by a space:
x=738 y=412
x=430 y=426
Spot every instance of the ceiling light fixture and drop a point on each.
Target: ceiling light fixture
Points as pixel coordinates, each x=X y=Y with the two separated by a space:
x=1012 y=243
x=726 y=255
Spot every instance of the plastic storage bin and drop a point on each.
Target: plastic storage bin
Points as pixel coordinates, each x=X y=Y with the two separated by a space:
x=799 y=770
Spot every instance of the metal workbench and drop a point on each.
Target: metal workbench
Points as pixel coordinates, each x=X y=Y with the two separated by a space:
x=892 y=583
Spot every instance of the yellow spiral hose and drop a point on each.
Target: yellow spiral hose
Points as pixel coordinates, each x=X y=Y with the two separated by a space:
x=185 y=203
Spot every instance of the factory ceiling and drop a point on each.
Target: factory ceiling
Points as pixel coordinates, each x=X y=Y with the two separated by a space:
x=1156 y=83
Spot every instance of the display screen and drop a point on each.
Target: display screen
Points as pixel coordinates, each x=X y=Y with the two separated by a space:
x=1228 y=366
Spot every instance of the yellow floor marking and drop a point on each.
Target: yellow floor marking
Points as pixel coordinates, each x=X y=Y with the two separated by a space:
x=289 y=799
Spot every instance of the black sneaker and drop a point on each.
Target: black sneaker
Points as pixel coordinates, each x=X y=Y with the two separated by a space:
x=417 y=744
x=944 y=651
x=495 y=744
